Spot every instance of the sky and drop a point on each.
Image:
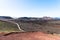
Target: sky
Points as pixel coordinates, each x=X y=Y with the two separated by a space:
x=30 y=8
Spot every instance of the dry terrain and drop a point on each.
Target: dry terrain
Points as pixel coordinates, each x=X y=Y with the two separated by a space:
x=50 y=27
x=33 y=31
x=29 y=36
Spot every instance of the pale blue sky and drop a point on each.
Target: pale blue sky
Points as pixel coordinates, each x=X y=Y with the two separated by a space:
x=30 y=8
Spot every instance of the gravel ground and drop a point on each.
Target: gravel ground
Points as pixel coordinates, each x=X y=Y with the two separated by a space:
x=29 y=36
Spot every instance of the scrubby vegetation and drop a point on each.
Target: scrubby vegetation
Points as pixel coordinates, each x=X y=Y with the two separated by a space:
x=7 y=27
x=48 y=26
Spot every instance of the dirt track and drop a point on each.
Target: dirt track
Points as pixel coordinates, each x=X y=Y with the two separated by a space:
x=29 y=36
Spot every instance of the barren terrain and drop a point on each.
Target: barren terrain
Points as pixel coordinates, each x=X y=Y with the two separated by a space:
x=29 y=36
x=33 y=30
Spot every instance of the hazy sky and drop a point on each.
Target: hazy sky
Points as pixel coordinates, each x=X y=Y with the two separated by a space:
x=30 y=8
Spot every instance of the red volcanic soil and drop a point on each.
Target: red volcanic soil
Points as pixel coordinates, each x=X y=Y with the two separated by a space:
x=29 y=36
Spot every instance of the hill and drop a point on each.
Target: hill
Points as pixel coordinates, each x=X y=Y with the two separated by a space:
x=5 y=17
x=47 y=25
x=7 y=27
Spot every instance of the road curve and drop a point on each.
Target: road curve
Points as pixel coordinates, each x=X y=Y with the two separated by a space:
x=19 y=27
x=13 y=23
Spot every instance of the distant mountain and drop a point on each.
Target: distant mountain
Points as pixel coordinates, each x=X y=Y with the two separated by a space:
x=56 y=18
x=33 y=18
x=37 y=19
x=47 y=18
x=27 y=18
x=5 y=17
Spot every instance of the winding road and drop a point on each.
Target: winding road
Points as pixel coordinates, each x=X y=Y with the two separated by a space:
x=13 y=23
